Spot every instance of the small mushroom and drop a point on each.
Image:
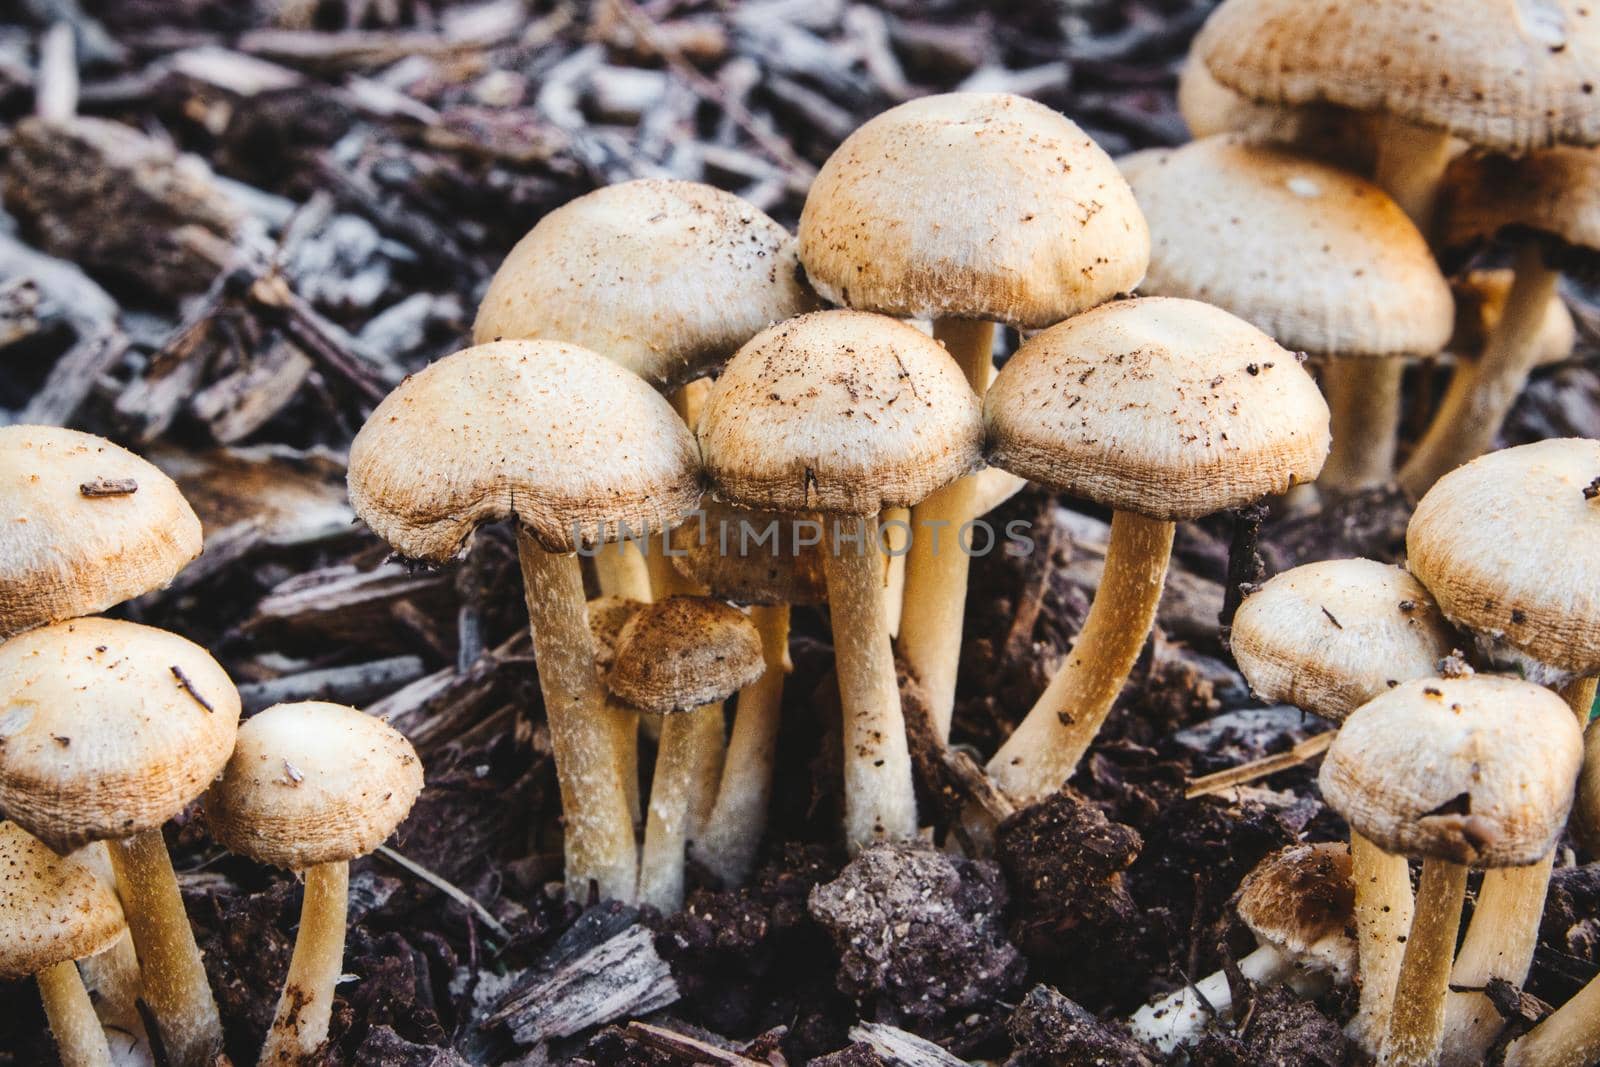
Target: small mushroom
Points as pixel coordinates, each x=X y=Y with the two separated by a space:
x=1161 y=409
x=310 y=787
x=54 y=911
x=1299 y=903
x=107 y=730
x=680 y=658
x=1461 y=772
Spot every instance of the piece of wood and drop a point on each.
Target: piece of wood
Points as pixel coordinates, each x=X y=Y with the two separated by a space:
x=901 y=1049
x=1223 y=780
x=686 y=1049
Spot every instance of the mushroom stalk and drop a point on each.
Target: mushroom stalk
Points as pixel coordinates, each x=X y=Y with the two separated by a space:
x=937 y=565
x=80 y=1041
x=879 y=801
x=1568 y=1037
x=708 y=751
x=300 y=1025
x=1364 y=406
x=1416 y=1025
x=1410 y=166
x=1469 y=419
x=896 y=533
x=620 y=569
x=1180 y=1017
x=175 y=984
x=1383 y=912
x=584 y=727
x=667 y=826
x=1044 y=750
x=726 y=845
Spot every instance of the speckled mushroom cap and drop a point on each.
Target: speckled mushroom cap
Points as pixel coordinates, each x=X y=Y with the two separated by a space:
x=683 y=652
x=87 y=525
x=839 y=412
x=313 y=783
x=1330 y=636
x=565 y=440
x=1165 y=407
x=1477 y=770
x=1301 y=901
x=1509 y=545
x=607 y=616
x=1481 y=300
x=1505 y=74
x=108 y=729
x=753 y=557
x=972 y=205
x=668 y=278
x=1327 y=132
x=1320 y=260
x=52 y=909
x=1555 y=192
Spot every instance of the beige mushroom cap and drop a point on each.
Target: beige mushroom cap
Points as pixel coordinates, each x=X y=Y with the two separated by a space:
x=108 y=729
x=76 y=541
x=565 y=440
x=1477 y=770
x=1165 y=407
x=1301 y=901
x=839 y=412
x=607 y=616
x=1509 y=545
x=683 y=652
x=1480 y=302
x=1555 y=191
x=52 y=909
x=1504 y=74
x=753 y=557
x=1320 y=260
x=668 y=278
x=972 y=205
x=1330 y=636
x=313 y=783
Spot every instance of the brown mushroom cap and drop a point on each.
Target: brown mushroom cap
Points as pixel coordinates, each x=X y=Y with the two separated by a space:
x=1503 y=74
x=839 y=412
x=88 y=525
x=684 y=652
x=1320 y=260
x=565 y=440
x=1509 y=545
x=972 y=205
x=313 y=783
x=607 y=616
x=1330 y=636
x=1481 y=300
x=108 y=729
x=1301 y=901
x=1165 y=407
x=752 y=557
x=668 y=278
x=1555 y=192
x=52 y=909
x=1475 y=770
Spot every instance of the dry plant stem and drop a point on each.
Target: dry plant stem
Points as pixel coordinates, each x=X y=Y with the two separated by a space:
x=80 y=1042
x=1383 y=912
x=1045 y=749
x=1416 y=1026
x=300 y=1025
x=936 y=566
x=667 y=826
x=879 y=803
x=175 y=985
x=1502 y=936
x=895 y=538
x=1469 y=419
x=1411 y=164
x=1364 y=402
x=726 y=845
x=584 y=727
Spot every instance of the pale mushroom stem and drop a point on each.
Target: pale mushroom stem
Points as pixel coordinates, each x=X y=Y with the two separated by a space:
x=300 y=1025
x=1045 y=749
x=1416 y=1025
x=1568 y=1037
x=584 y=727
x=726 y=845
x=709 y=754
x=1383 y=912
x=1469 y=419
x=112 y=976
x=896 y=534
x=175 y=985
x=1180 y=1017
x=1411 y=163
x=879 y=801
x=1364 y=409
x=620 y=569
x=1502 y=936
x=936 y=567
x=667 y=825
x=80 y=1040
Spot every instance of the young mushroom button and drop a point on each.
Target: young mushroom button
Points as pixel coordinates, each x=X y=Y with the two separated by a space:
x=1161 y=409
